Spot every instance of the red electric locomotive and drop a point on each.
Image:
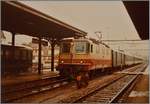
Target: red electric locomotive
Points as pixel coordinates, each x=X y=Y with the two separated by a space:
x=89 y=56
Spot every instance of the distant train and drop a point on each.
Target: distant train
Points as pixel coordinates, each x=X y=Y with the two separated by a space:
x=15 y=59
x=77 y=55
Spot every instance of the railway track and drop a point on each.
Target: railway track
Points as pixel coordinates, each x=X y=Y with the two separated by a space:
x=45 y=85
x=111 y=92
x=28 y=84
x=84 y=94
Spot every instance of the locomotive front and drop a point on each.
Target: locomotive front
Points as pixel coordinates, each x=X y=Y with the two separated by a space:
x=73 y=58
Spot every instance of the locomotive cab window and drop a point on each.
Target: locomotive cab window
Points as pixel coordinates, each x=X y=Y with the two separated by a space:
x=66 y=48
x=80 y=47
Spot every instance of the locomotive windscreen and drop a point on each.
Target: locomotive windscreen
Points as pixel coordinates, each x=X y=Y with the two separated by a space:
x=81 y=47
x=66 y=47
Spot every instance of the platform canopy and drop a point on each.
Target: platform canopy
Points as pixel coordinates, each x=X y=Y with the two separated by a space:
x=19 y=18
x=139 y=13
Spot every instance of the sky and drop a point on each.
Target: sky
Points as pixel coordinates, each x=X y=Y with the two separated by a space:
x=108 y=17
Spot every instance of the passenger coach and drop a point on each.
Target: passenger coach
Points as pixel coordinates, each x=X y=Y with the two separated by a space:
x=15 y=59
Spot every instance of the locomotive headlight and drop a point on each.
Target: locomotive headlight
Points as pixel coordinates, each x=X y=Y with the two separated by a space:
x=81 y=61
x=71 y=43
x=62 y=61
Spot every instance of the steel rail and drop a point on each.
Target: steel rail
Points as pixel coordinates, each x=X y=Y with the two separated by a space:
x=8 y=90
x=36 y=90
x=102 y=87
x=117 y=96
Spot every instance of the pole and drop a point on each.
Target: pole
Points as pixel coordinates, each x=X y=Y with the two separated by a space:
x=39 y=56
x=13 y=39
x=52 y=54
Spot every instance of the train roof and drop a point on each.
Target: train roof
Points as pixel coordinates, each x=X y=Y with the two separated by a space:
x=90 y=40
x=98 y=42
x=127 y=54
x=19 y=46
x=72 y=39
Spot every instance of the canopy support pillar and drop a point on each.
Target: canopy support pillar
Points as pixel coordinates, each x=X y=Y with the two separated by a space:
x=53 y=42
x=52 y=53
x=39 y=56
x=13 y=39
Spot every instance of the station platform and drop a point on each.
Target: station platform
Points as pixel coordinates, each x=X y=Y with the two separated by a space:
x=140 y=93
x=131 y=73
x=27 y=77
x=134 y=73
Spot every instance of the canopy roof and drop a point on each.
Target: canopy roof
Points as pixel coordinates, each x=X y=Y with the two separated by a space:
x=19 y=18
x=139 y=13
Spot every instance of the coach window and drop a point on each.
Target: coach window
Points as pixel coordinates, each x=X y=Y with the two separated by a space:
x=108 y=51
x=88 y=48
x=49 y=52
x=100 y=49
x=8 y=55
x=91 y=48
x=17 y=54
x=97 y=49
x=28 y=55
x=24 y=54
x=103 y=51
x=42 y=53
x=2 y=53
